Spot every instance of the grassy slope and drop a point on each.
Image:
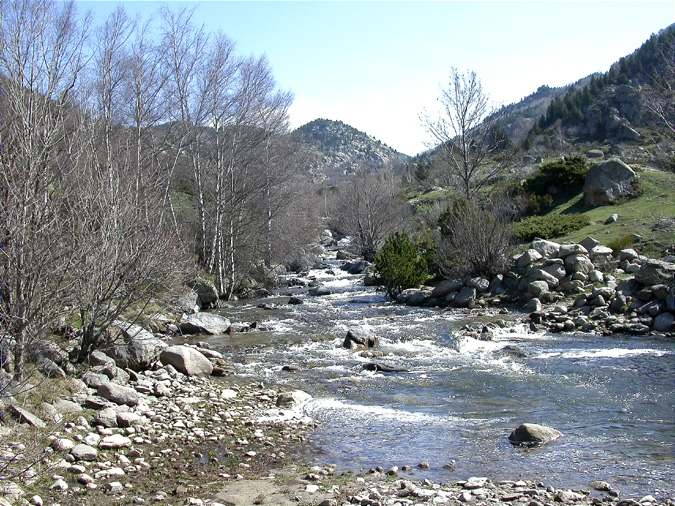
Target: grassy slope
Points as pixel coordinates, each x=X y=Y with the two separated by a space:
x=636 y=216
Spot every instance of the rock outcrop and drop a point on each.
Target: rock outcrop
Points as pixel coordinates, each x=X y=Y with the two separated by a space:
x=608 y=182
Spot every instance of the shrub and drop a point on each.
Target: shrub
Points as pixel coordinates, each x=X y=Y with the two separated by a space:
x=475 y=237
x=401 y=264
x=622 y=242
x=550 y=226
x=560 y=177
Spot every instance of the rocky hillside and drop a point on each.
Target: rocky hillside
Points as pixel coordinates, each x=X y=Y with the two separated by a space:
x=341 y=150
x=618 y=106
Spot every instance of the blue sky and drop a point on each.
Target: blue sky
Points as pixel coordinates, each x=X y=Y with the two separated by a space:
x=378 y=65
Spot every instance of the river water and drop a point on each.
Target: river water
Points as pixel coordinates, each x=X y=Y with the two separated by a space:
x=612 y=398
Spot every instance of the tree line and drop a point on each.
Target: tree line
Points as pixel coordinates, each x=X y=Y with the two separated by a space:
x=131 y=155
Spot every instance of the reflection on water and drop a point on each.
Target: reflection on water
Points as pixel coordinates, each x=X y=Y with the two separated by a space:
x=612 y=398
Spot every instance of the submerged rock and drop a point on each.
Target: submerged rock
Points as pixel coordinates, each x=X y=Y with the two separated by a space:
x=359 y=337
x=532 y=434
x=382 y=368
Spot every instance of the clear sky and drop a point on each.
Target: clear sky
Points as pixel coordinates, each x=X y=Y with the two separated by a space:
x=377 y=65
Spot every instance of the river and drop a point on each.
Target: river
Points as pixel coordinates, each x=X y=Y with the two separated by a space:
x=611 y=397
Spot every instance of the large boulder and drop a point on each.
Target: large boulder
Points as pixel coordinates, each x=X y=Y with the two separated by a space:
x=292 y=399
x=355 y=267
x=530 y=434
x=207 y=295
x=360 y=337
x=547 y=249
x=609 y=181
x=118 y=394
x=204 y=323
x=136 y=348
x=579 y=263
x=664 y=322
x=187 y=360
x=466 y=297
x=445 y=287
x=655 y=272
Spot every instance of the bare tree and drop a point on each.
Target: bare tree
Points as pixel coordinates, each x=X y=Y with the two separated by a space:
x=475 y=237
x=41 y=59
x=660 y=99
x=466 y=133
x=368 y=209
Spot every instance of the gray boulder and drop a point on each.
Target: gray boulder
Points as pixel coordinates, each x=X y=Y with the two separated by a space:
x=138 y=349
x=118 y=394
x=319 y=291
x=547 y=249
x=292 y=399
x=579 y=263
x=446 y=286
x=571 y=249
x=655 y=272
x=530 y=434
x=537 y=288
x=480 y=284
x=187 y=360
x=532 y=306
x=609 y=181
x=360 y=337
x=204 y=323
x=664 y=322
x=589 y=243
x=466 y=297
x=530 y=256
x=24 y=416
x=207 y=295
x=355 y=267
x=84 y=452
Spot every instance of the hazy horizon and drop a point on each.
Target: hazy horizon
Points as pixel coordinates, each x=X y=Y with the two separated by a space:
x=378 y=65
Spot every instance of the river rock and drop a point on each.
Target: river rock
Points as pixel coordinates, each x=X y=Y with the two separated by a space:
x=530 y=256
x=533 y=434
x=360 y=337
x=547 y=249
x=537 y=288
x=480 y=284
x=24 y=416
x=118 y=394
x=207 y=295
x=654 y=272
x=532 y=306
x=466 y=297
x=571 y=249
x=292 y=399
x=382 y=368
x=355 y=267
x=609 y=181
x=186 y=360
x=579 y=263
x=204 y=323
x=445 y=287
x=140 y=349
x=628 y=254
x=49 y=368
x=664 y=322
x=114 y=441
x=84 y=452
x=319 y=291
x=97 y=357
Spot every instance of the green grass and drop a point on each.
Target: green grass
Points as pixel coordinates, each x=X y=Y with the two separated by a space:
x=636 y=216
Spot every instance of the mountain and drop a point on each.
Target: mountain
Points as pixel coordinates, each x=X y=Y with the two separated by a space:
x=617 y=106
x=340 y=150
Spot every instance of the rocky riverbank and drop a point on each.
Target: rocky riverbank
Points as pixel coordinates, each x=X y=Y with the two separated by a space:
x=584 y=287
x=151 y=421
